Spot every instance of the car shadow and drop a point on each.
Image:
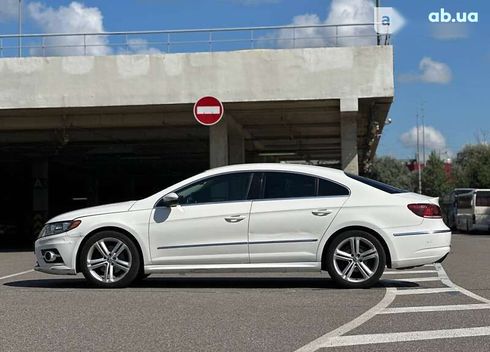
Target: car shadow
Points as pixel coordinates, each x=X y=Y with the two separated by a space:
x=208 y=282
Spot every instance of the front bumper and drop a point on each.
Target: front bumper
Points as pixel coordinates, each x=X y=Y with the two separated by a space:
x=66 y=246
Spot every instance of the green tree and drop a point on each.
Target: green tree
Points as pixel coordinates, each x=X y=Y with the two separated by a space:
x=472 y=166
x=435 y=182
x=391 y=171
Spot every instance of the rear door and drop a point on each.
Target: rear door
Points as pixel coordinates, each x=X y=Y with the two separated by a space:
x=287 y=224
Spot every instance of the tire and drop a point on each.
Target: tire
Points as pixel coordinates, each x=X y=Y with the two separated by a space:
x=351 y=268
x=110 y=259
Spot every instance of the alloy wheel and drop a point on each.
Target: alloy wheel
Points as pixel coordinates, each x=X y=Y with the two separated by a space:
x=109 y=260
x=356 y=259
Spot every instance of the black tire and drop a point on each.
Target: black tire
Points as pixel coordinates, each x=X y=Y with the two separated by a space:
x=357 y=280
x=135 y=260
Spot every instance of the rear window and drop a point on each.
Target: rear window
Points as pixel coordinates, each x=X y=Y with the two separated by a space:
x=376 y=184
x=483 y=199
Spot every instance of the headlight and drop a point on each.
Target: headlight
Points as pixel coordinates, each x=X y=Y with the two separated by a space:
x=55 y=228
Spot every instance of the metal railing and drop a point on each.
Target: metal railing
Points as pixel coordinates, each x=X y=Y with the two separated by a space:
x=190 y=40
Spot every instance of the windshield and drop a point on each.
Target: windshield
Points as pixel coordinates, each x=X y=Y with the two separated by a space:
x=376 y=184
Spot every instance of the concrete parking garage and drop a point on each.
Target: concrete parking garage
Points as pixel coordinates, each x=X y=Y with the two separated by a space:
x=81 y=131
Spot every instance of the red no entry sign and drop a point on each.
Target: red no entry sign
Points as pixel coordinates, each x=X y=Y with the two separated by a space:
x=208 y=111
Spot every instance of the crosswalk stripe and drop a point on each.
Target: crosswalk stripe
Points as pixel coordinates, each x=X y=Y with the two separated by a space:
x=419 y=279
x=423 y=291
x=442 y=308
x=368 y=339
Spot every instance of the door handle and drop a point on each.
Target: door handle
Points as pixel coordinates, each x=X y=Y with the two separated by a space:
x=234 y=219
x=321 y=212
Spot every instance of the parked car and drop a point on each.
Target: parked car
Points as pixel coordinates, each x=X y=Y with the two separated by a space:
x=253 y=217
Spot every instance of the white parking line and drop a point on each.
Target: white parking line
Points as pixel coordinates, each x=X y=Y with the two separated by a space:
x=443 y=308
x=337 y=337
x=16 y=274
x=446 y=281
x=424 y=291
x=419 y=279
x=406 y=336
x=325 y=339
x=397 y=272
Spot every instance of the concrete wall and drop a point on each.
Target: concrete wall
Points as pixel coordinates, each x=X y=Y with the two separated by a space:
x=240 y=76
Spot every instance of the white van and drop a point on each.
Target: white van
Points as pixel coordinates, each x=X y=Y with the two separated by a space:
x=473 y=210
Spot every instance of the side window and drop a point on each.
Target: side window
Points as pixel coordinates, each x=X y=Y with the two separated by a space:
x=328 y=188
x=223 y=188
x=288 y=185
x=483 y=199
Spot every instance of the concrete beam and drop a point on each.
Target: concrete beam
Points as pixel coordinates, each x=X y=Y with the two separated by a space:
x=349 y=105
x=87 y=81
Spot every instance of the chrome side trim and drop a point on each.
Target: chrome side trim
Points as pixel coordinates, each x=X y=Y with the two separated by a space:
x=401 y=234
x=411 y=233
x=235 y=243
x=285 y=241
x=204 y=245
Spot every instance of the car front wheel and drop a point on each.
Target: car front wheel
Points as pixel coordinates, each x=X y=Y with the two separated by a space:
x=355 y=259
x=110 y=259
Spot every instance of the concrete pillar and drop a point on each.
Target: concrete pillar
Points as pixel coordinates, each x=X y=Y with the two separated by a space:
x=40 y=195
x=218 y=144
x=348 y=131
x=236 y=143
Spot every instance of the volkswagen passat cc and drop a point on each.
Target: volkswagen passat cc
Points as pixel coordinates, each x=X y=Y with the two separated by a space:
x=263 y=217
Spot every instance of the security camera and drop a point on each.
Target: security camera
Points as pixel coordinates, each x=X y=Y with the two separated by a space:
x=388 y=121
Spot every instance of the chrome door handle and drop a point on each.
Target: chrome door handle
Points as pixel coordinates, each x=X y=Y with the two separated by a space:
x=234 y=219
x=321 y=212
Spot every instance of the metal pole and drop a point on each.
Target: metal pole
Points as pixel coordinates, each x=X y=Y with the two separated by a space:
x=423 y=134
x=378 y=37
x=20 y=28
x=419 y=170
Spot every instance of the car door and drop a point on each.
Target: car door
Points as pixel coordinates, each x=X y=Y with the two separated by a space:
x=287 y=224
x=209 y=226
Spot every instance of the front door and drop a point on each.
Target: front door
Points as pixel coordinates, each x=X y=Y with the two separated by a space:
x=209 y=226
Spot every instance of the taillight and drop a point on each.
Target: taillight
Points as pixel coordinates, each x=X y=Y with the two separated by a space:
x=426 y=210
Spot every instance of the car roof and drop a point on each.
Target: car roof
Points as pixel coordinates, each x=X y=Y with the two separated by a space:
x=276 y=167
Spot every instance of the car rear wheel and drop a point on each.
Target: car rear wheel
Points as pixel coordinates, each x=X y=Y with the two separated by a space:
x=355 y=259
x=110 y=259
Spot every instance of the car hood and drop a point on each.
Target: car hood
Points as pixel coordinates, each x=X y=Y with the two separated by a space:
x=98 y=210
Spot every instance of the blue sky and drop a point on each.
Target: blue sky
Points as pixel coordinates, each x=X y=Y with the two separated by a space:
x=444 y=70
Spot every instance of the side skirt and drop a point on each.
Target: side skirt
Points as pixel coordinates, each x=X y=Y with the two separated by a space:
x=227 y=268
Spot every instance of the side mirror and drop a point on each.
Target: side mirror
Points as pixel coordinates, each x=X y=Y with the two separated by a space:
x=170 y=200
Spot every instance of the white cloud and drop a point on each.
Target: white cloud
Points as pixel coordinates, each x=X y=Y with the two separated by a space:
x=74 y=18
x=340 y=12
x=434 y=140
x=9 y=9
x=141 y=46
x=431 y=71
x=449 y=31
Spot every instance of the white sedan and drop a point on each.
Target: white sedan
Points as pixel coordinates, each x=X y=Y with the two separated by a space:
x=253 y=217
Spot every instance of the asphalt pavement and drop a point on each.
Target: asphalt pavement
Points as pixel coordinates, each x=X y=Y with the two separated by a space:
x=431 y=308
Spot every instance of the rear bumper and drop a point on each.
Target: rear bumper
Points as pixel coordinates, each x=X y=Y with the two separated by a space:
x=416 y=248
